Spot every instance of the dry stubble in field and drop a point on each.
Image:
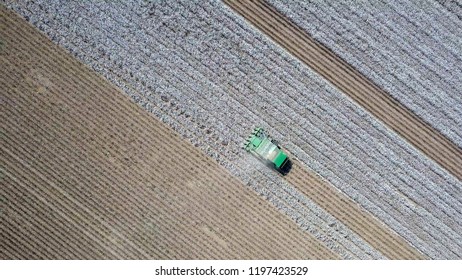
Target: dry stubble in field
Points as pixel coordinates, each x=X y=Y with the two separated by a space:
x=88 y=174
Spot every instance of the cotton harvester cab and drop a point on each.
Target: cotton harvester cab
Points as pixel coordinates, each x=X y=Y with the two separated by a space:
x=267 y=150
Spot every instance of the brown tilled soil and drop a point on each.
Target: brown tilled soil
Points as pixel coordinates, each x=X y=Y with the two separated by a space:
x=351 y=82
x=344 y=209
x=87 y=174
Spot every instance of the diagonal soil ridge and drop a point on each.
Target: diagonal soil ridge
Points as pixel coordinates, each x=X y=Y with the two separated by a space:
x=379 y=103
x=346 y=210
x=88 y=174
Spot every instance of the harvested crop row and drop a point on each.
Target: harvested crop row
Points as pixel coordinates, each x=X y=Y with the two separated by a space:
x=310 y=217
x=170 y=59
x=76 y=146
x=411 y=51
x=295 y=204
x=351 y=82
x=344 y=209
x=263 y=98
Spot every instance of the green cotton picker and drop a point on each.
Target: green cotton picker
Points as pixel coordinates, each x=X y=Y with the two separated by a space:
x=267 y=150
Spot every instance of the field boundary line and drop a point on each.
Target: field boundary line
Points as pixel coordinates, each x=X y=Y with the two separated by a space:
x=349 y=81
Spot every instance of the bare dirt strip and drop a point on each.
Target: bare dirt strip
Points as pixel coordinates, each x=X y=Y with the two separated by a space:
x=344 y=209
x=88 y=174
x=424 y=137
